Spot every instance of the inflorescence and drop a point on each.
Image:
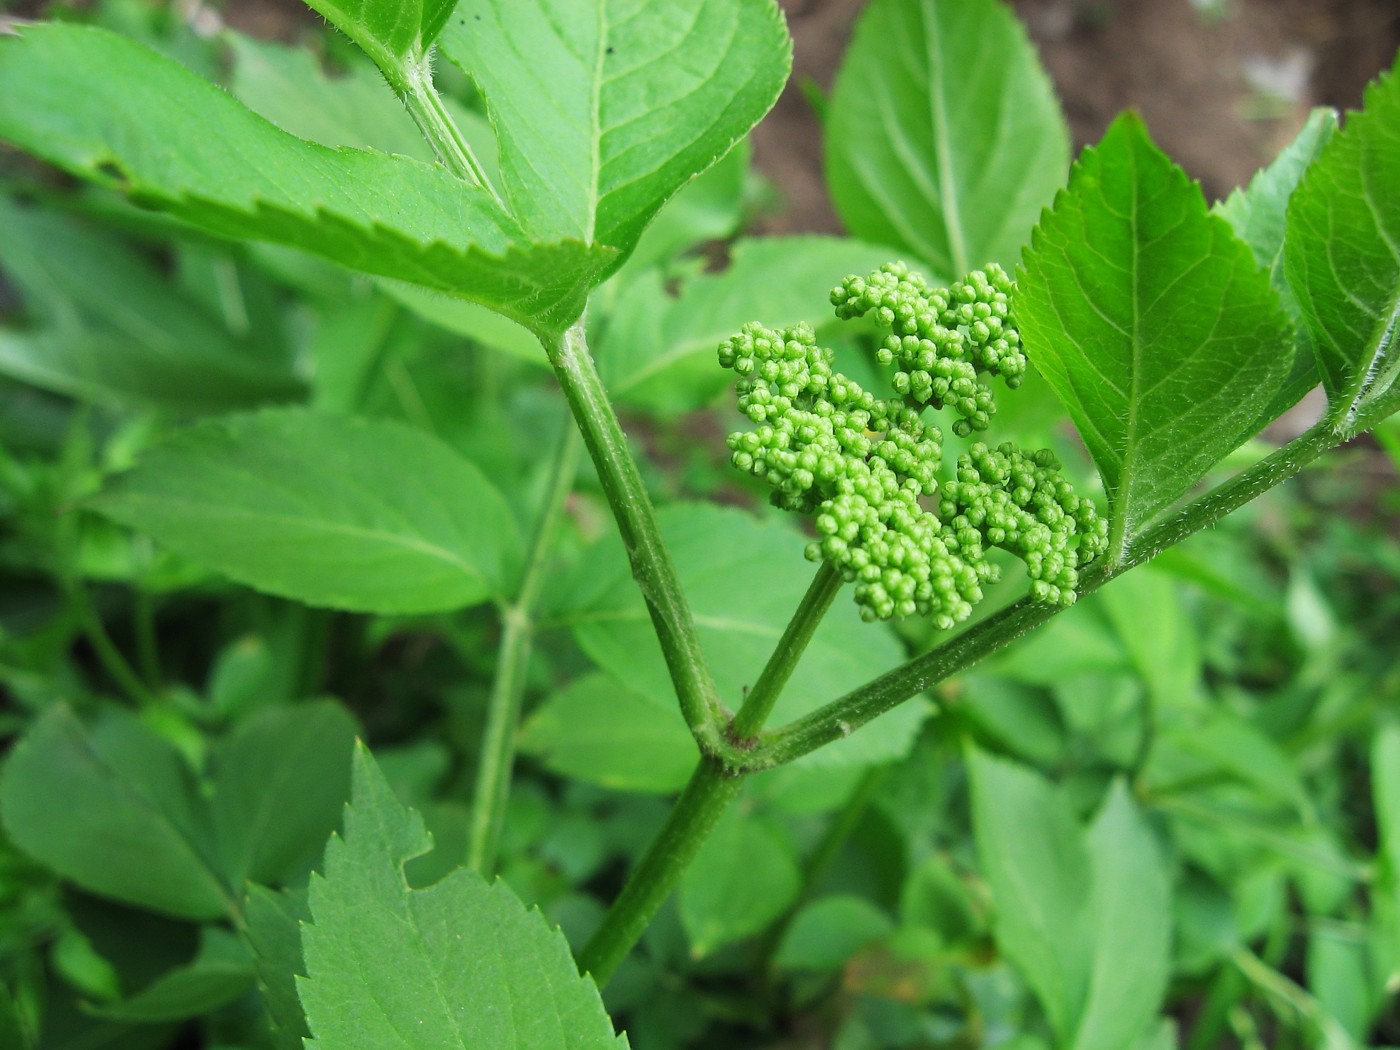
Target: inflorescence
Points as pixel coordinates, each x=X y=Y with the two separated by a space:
x=860 y=465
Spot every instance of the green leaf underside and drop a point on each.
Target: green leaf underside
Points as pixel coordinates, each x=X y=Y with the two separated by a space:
x=604 y=108
x=395 y=33
x=459 y=964
x=145 y=832
x=132 y=830
x=744 y=578
x=1151 y=322
x=176 y=143
x=1084 y=914
x=1342 y=258
x=1258 y=216
x=658 y=350
x=944 y=136
x=324 y=510
x=113 y=330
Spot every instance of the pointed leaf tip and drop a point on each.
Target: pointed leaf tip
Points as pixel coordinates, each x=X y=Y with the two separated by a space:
x=1152 y=323
x=459 y=964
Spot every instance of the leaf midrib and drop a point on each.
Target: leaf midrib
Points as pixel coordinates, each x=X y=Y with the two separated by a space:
x=947 y=184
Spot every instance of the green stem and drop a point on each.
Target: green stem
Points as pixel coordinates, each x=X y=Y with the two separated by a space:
x=147 y=647
x=758 y=705
x=497 y=756
x=843 y=716
x=692 y=818
x=705 y=798
x=424 y=104
x=108 y=655
x=636 y=520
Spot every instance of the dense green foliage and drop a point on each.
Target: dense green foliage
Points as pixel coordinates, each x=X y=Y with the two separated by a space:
x=301 y=350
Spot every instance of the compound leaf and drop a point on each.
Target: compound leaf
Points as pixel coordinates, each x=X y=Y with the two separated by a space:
x=132 y=827
x=282 y=779
x=944 y=137
x=174 y=142
x=321 y=509
x=605 y=108
x=1152 y=323
x=1342 y=258
x=459 y=964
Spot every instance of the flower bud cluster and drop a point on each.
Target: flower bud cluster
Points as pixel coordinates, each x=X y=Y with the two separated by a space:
x=1006 y=498
x=941 y=338
x=865 y=468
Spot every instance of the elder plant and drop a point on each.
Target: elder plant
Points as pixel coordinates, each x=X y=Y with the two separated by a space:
x=1171 y=333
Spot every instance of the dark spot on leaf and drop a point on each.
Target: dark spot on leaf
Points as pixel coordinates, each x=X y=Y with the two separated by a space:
x=611 y=50
x=111 y=170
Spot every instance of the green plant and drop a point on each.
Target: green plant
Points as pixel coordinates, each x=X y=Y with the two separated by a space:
x=1171 y=333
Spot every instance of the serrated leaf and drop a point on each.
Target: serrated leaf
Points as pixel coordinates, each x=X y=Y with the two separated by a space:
x=658 y=349
x=321 y=509
x=600 y=731
x=132 y=826
x=943 y=136
x=395 y=33
x=605 y=108
x=714 y=547
x=174 y=142
x=459 y=964
x=1152 y=323
x=272 y=927
x=1258 y=216
x=1342 y=258
x=110 y=329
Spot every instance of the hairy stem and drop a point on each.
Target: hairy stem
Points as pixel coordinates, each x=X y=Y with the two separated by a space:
x=636 y=520
x=691 y=820
x=424 y=104
x=841 y=717
x=710 y=790
x=497 y=755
